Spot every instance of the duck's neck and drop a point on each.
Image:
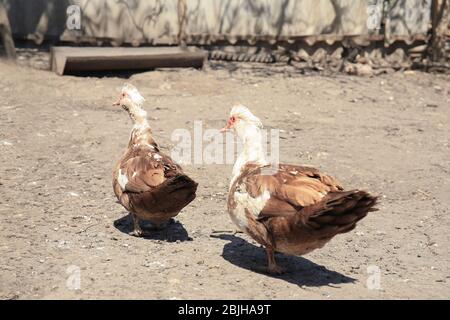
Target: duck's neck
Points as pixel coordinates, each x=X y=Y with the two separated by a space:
x=138 y=115
x=141 y=133
x=252 y=150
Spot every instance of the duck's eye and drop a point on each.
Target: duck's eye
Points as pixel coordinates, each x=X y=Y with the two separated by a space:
x=233 y=119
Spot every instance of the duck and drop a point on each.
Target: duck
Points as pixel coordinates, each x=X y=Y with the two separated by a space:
x=291 y=209
x=147 y=182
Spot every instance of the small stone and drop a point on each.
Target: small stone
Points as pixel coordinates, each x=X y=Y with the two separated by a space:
x=6 y=143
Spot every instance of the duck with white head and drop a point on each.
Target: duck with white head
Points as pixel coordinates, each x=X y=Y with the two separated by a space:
x=293 y=210
x=147 y=182
x=131 y=101
x=248 y=128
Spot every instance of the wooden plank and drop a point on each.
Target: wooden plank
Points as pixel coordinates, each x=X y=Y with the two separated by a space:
x=5 y=33
x=78 y=59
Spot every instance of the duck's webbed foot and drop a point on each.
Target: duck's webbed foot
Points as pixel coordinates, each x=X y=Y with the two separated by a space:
x=137 y=231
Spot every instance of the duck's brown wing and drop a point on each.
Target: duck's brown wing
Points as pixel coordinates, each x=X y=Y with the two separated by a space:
x=152 y=182
x=169 y=197
x=141 y=173
x=291 y=187
x=304 y=204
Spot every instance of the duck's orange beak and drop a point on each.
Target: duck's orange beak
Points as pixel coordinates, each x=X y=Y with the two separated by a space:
x=117 y=103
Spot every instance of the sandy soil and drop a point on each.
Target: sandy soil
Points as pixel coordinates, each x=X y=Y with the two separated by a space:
x=60 y=138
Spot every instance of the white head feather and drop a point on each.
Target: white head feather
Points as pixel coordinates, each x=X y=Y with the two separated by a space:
x=248 y=128
x=243 y=113
x=132 y=103
x=133 y=93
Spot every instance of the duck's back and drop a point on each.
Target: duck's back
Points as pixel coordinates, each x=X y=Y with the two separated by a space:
x=295 y=209
x=150 y=184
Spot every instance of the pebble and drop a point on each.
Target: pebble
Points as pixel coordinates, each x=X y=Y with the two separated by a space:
x=6 y=143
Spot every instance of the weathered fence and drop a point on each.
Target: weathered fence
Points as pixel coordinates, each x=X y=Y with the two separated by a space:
x=244 y=29
x=210 y=21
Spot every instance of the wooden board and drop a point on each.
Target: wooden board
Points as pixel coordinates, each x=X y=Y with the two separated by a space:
x=79 y=59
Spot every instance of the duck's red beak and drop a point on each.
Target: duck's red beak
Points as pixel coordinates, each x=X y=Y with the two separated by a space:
x=229 y=126
x=118 y=102
x=225 y=129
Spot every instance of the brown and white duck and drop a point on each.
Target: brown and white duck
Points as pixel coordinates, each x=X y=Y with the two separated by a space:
x=290 y=209
x=147 y=182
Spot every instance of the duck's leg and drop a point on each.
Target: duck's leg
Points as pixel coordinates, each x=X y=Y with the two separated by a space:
x=272 y=264
x=137 y=231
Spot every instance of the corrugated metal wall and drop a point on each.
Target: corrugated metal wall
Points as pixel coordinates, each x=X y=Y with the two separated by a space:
x=407 y=19
x=208 y=21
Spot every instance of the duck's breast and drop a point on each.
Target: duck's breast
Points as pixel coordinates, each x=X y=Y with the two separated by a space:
x=241 y=203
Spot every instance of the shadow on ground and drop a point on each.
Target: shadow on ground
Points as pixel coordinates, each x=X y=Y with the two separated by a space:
x=299 y=271
x=174 y=231
x=246 y=69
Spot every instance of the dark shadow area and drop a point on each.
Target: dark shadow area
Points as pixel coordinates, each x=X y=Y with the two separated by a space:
x=37 y=19
x=299 y=271
x=123 y=74
x=243 y=69
x=174 y=231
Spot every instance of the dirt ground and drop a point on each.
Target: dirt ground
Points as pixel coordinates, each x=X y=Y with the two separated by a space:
x=60 y=137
